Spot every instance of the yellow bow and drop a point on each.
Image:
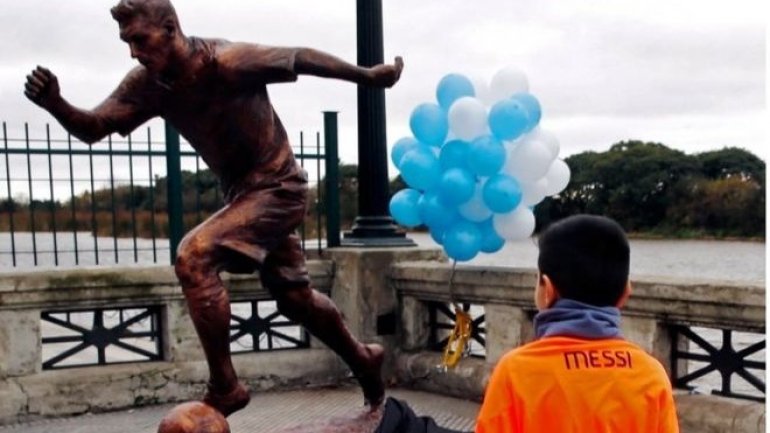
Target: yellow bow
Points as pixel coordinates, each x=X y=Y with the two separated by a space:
x=457 y=346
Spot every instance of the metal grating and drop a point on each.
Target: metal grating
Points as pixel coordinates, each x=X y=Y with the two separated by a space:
x=78 y=338
x=258 y=326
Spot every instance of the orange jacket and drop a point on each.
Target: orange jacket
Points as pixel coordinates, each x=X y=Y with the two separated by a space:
x=572 y=385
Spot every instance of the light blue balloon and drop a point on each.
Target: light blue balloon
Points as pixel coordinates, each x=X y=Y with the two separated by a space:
x=456 y=186
x=508 y=119
x=454 y=154
x=451 y=88
x=437 y=235
x=434 y=213
x=491 y=242
x=400 y=148
x=487 y=156
x=462 y=241
x=502 y=193
x=403 y=207
x=420 y=168
x=429 y=124
x=532 y=105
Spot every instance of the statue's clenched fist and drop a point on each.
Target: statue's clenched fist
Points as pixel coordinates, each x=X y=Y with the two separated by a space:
x=387 y=75
x=42 y=87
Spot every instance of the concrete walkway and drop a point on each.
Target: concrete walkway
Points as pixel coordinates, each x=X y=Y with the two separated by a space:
x=266 y=413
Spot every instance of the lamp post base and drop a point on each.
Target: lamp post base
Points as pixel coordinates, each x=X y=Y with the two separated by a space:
x=376 y=232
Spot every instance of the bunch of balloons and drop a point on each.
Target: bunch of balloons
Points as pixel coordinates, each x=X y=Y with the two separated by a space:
x=477 y=164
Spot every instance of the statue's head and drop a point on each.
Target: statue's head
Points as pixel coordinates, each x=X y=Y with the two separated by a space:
x=158 y=12
x=151 y=30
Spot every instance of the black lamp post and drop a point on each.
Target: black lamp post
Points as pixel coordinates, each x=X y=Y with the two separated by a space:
x=373 y=226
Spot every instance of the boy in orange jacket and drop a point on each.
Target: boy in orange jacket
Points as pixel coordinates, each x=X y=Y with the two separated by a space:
x=580 y=375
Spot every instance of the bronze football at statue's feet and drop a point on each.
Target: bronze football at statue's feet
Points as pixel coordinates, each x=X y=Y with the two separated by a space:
x=193 y=417
x=230 y=402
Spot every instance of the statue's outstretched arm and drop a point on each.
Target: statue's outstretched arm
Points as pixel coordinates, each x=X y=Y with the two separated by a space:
x=314 y=62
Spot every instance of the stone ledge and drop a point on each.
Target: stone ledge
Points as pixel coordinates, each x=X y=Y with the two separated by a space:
x=113 y=287
x=708 y=303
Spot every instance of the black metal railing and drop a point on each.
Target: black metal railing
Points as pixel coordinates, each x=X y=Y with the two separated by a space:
x=698 y=353
x=78 y=338
x=63 y=203
x=257 y=326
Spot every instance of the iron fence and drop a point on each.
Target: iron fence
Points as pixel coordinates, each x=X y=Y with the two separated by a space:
x=130 y=200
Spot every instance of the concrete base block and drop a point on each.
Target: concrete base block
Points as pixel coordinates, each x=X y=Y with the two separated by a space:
x=467 y=380
x=507 y=327
x=19 y=342
x=415 y=330
x=712 y=414
x=13 y=400
x=182 y=342
x=365 y=297
x=650 y=335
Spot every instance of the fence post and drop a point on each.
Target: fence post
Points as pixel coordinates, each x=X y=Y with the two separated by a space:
x=332 y=180
x=174 y=190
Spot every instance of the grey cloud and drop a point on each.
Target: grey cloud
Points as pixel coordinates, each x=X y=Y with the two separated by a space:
x=613 y=73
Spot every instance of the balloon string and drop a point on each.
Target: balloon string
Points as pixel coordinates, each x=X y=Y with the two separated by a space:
x=451 y=285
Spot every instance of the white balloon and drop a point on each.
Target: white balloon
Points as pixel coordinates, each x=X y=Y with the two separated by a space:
x=558 y=177
x=516 y=225
x=533 y=193
x=475 y=209
x=507 y=82
x=548 y=139
x=468 y=118
x=527 y=159
x=481 y=89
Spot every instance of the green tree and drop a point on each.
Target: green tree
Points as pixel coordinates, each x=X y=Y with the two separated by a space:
x=650 y=187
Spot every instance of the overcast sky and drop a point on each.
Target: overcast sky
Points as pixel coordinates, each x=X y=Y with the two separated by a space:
x=688 y=73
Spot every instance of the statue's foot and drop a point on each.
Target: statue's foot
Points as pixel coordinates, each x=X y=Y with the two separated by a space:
x=370 y=375
x=229 y=402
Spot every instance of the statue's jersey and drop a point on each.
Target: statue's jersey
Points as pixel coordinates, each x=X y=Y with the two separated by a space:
x=223 y=110
x=572 y=385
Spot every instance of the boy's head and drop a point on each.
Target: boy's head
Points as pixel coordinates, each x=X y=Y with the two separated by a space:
x=584 y=258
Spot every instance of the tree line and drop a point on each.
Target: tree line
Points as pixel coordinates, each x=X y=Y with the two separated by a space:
x=647 y=187
x=652 y=189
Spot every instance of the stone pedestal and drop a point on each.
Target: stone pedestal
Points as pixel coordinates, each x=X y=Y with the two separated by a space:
x=363 y=294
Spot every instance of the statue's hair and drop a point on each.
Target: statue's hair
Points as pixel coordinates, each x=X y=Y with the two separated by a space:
x=156 y=11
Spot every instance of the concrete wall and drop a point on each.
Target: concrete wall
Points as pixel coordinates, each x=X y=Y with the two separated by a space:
x=506 y=295
x=27 y=392
x=381 y=293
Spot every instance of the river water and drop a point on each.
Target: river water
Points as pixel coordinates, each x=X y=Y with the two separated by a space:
x=722 y=260
x=736 y=261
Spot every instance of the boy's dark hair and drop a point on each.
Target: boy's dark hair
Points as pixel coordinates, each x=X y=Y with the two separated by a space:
x=156 y=11
x=587 y=259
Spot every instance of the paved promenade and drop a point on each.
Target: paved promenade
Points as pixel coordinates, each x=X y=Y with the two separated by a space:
x=267 y=412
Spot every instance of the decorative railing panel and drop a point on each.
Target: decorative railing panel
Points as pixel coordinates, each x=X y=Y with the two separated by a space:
x=257 y=326
x=734 y=360
x=78 y=338
x=442 y=321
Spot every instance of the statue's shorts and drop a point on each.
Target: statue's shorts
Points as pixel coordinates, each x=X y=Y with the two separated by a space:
x=256 y=231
